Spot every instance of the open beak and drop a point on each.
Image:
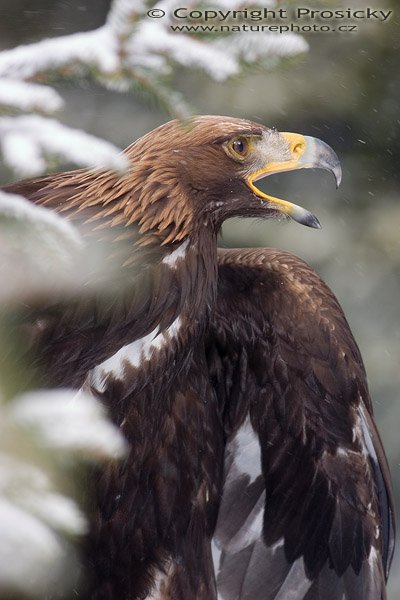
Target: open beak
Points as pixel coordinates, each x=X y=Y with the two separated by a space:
x=304 y=152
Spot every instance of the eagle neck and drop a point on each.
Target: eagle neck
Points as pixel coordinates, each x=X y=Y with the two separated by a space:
x=192 y=269
x=171 y=314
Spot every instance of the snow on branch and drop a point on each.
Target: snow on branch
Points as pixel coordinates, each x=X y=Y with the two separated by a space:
x=45 y=435
x=123 y=15
x=69 y=422
x=72 y=53
x=42 y=254
x=251 y=47
x=151 y=39
x=26 y=140
x=130 y=50
x=29 y=96
x=16 y=208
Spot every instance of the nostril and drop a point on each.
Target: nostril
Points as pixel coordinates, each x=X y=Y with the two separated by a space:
x=298 y=148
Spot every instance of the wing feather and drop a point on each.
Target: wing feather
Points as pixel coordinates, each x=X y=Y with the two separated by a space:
x=290 y=377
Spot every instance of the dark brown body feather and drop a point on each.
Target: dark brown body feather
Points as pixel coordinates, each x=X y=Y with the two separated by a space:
x=249 y=421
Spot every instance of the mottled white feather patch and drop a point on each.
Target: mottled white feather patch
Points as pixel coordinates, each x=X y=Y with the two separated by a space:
x=366 y=439
x=279 y=544
x=133 y=354
x=177 y=255
x=160 y=584
x=251 y=529
x=216 y=555
x=342 y=452
x=247 y=453
x=373 y=557
x=296 y=583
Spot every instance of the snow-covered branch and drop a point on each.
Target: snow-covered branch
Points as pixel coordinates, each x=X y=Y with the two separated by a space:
x=42 y=254
x=46 y=436
x=25 y=142
x=74 y=54
x=67 y=421
x=41 y=221
x=29 y=96
x=43 y=436
x=130 y=50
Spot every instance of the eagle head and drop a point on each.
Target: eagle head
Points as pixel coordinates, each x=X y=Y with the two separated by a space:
x=184 y=177
x=204 y=170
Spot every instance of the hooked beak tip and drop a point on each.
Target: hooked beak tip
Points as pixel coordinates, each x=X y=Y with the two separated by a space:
x=314 y=223
x=306 y=218
x=320 y=155
x=337 y=173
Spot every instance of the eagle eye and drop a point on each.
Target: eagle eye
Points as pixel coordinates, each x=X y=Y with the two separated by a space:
x=238 y=148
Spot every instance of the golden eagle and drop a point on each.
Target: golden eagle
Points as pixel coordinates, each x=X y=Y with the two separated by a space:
x=255 y=469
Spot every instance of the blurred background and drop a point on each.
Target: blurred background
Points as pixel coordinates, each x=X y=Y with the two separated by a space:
x=345 y=90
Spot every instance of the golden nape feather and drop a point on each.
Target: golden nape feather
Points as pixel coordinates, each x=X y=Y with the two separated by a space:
x=255 y=469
